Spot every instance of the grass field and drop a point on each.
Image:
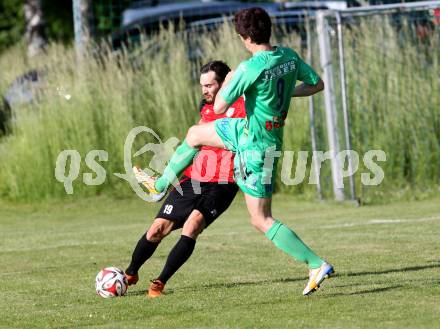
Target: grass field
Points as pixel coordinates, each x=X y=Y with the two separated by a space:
x=387 y=259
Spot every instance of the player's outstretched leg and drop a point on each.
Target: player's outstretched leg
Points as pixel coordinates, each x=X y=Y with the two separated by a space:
x=203 y=134
x=142 y=252
x=146 y=246
x=286 y=239
x=182 y=158
x=149 y=183
x=176 y=258
x=157 y=186
x=180 y=253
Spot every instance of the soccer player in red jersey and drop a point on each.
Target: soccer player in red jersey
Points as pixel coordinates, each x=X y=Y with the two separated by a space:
x=268 y=82
x=208 y=190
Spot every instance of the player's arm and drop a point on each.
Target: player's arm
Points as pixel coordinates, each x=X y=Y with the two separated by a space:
x=236 y=84
x=220 y=105
x=312 y=83
x=305 y=89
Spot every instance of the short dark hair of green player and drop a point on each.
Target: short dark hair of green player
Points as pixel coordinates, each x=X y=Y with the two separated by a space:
x=220 y=68
x=254 y=23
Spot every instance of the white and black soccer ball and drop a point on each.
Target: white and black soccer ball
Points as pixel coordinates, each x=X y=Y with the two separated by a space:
x=111 y=282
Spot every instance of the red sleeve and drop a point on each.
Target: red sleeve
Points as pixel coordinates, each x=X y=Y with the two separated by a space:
x=240 y=108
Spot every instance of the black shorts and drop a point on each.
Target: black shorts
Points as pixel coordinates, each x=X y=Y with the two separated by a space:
x=212 y=200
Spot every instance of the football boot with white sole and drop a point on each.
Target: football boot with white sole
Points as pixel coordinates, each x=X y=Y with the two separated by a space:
x=148 y=182
x=317 y=276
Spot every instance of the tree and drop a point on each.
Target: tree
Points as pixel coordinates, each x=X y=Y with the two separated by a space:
x=11 y=23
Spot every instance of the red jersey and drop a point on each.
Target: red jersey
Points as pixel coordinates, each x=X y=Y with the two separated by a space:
x=212 y=164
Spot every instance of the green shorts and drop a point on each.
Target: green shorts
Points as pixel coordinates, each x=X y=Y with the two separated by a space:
x=254 y=167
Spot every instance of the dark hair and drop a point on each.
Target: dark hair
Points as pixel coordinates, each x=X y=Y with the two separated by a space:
x=254 y=23
x=220 y=68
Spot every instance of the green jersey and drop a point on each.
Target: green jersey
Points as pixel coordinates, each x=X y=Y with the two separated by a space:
x=267 y=80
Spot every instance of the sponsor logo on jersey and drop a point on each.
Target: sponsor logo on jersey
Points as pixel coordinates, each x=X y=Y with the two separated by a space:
x=279 y=70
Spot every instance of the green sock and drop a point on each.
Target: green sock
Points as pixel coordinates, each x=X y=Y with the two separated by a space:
x=181 y=159
x=285 y=239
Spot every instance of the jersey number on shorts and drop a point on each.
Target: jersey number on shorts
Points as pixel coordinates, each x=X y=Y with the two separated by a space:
x=168 y=209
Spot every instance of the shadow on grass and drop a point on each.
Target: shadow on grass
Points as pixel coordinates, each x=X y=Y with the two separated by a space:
x=383 y=289
x=222 y=285
x=287 y=280
x=251 y=283
x=303 y=279
x=395 y=270
x=361 y=292
x=135 y=293
x=171 y=291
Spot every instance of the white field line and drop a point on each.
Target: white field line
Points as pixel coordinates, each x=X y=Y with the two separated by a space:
x=381 y=221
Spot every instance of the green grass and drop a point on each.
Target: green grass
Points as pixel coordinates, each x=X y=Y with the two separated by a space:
x=387 y=260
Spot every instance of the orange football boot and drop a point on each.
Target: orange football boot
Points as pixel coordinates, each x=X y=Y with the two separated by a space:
x=156 y=288
x=132 y=279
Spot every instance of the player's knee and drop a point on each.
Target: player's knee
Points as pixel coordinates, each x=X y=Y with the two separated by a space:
x=157 y=232
x=154 y=235
x=192 y=137
x=258 y=222
x=193 y=231
x=194 y=226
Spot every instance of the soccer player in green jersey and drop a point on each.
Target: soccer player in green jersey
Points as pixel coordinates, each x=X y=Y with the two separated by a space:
x=267 y=80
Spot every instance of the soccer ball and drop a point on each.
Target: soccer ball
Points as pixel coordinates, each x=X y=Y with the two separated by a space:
x=111 y=282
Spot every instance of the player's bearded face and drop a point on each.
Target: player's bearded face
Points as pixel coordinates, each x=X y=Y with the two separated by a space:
x=210 y=86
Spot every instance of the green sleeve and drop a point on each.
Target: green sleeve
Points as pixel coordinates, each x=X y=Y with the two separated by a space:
x=244 y=76
x=306 y=74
